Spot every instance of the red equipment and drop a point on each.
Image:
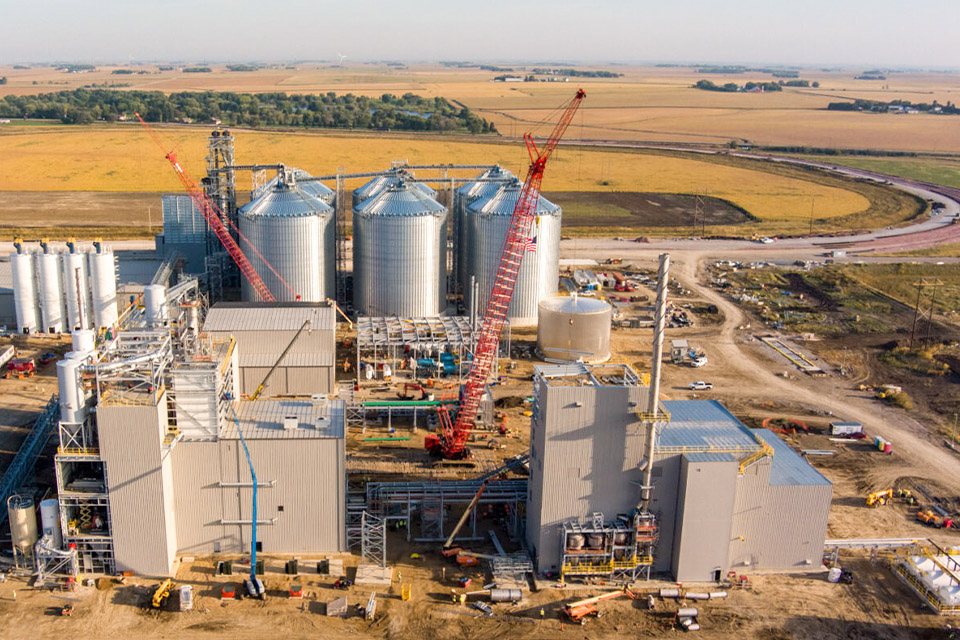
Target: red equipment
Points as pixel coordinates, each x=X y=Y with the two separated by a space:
x=20 y=368
x=452 y=444
x=215 y=217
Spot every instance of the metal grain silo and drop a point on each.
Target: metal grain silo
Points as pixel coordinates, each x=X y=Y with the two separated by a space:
x=25 y=295
x=313 y=187
x=51 y=291
x=487 y=184
x=294 y=232
x=573 y=328
x=399 y=254
x=389 y=178
x=103 y=278
x=486 y=223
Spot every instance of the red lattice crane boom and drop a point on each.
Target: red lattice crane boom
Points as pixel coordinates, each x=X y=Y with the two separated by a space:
x=452 y=443
x=214 y=217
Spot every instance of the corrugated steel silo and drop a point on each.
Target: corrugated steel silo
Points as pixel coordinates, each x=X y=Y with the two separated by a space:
x=294 y=231
x=574 y=328
x=388 y=179
x=486 y=223
x=103 y=278
x=51 y=293
x=25 y=295
x=399 y=254
x=488 y=183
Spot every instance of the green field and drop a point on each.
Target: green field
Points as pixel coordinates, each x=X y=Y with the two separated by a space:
x=935 y=169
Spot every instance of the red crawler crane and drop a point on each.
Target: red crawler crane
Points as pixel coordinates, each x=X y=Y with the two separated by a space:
x=452 y=442
x=214 y=217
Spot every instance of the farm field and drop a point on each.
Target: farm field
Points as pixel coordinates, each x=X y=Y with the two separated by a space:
x=655 y=104
x=938 y=170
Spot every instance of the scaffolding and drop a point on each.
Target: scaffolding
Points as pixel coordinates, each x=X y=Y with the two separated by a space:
x=400 y=501
x=421 y=347
x=373 y=540
x=619 y=550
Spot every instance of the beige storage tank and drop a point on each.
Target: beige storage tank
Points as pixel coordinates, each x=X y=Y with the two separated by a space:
x=574 y=328
x=23 y=522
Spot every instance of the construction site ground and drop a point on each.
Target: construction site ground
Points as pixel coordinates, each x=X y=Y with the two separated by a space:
x=748 y=376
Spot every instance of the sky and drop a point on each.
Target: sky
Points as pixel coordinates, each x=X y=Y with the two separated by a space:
x=916 y=33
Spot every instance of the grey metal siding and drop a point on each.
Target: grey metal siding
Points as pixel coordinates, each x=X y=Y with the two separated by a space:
x=141 y=500
x=586 y=461
x=706 y=497
x=288 y=380
x=663 y=502
x=199 y=503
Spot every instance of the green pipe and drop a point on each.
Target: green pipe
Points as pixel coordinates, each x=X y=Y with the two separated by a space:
x=387 y=439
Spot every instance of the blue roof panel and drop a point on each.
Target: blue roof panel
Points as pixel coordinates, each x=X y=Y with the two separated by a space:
x=788 y=468
x=704 y=424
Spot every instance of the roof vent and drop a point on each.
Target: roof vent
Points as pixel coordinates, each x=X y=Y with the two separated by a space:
x=290 y=423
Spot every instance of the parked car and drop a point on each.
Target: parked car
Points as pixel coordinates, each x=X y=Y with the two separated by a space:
x=699 y=362
x=700 y=385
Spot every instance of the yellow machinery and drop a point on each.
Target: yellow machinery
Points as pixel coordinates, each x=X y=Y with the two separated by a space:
x=878 y=498
x=162 y=593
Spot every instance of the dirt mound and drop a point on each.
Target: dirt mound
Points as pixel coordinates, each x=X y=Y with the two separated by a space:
x=509 y=402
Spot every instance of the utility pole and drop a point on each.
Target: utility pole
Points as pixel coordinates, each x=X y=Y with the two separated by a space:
x=919 y=312
x=812 y=200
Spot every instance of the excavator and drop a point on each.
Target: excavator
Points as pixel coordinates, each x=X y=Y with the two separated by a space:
x=579 y=610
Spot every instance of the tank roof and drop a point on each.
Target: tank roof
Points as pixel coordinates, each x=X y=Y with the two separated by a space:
x=286 y=201
x=481 y=189
x=386 y=180
x=504 y=201
x=575 y=304
x=314 y=187
x=400 y=200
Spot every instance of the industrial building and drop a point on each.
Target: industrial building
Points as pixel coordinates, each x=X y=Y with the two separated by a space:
x=724 y=496
x=265 y=330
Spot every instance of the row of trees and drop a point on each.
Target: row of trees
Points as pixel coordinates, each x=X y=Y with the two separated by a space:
x=408 y=112
x=708 y=85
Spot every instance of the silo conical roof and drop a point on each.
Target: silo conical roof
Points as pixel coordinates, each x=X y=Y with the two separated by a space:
x=400 y=199
x=504 y=201
x=286 y=200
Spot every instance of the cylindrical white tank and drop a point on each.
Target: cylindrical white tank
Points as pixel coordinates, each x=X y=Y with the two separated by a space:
x=83 y=340
x=25 y=296
x=399 y=254
x=155 y=305
x=574 y=328
x=50 y=521
x=486 y=222
x=51 y=293
x=103 y=278
x=72 y=403
x=23 y=522
x=75 y=289
x=294 y=231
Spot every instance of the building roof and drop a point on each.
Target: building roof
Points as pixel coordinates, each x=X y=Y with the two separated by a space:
x=579 y=374
x=263 y=420
x=704 y=426
x=788 y=468
x=270 y=316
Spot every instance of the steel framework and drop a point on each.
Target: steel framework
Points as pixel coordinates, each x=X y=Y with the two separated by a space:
x=373 y=540
x=26 y=458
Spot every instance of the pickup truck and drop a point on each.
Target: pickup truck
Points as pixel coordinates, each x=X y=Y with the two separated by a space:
x=700 y=386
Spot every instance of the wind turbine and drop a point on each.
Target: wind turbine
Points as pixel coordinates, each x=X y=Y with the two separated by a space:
x=340 y=59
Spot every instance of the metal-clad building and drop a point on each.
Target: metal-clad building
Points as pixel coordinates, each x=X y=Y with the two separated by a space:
x=725 y=496
x=294 y=232
x=400 y=254
x=184 y=231
x=301 y=473
x=263 y=330
x=140 y=486
x=585 y=443
x=486 y=223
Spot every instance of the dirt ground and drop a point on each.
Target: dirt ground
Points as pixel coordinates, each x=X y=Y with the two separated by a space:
x=629 y=208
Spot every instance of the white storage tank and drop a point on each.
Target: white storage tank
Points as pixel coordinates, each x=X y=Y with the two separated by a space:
x=294 y=231
x=388 y=179
x=103 y=278
x=50 y=521
x=487 y=184
x=399 y=254
x=574 y=328
x=51 y=293
x=83 y=341
x=486 y=224
x=75 y=289
x=23 y=522
x=25 y=295
x=155 y=305
x=73 y=407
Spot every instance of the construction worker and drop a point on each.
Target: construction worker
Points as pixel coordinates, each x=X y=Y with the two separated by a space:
x=463 y=598
x=542 y=613
x=399 y=577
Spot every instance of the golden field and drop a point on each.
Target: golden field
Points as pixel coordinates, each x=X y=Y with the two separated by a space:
x=646 y=104
x=124 y=159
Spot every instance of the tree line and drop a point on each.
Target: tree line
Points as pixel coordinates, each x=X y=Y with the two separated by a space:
x=409 y=112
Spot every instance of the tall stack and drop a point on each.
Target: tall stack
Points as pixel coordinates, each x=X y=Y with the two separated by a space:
x=62 y=291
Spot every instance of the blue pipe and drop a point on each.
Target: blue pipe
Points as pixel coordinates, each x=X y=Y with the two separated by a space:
x=253 y=534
